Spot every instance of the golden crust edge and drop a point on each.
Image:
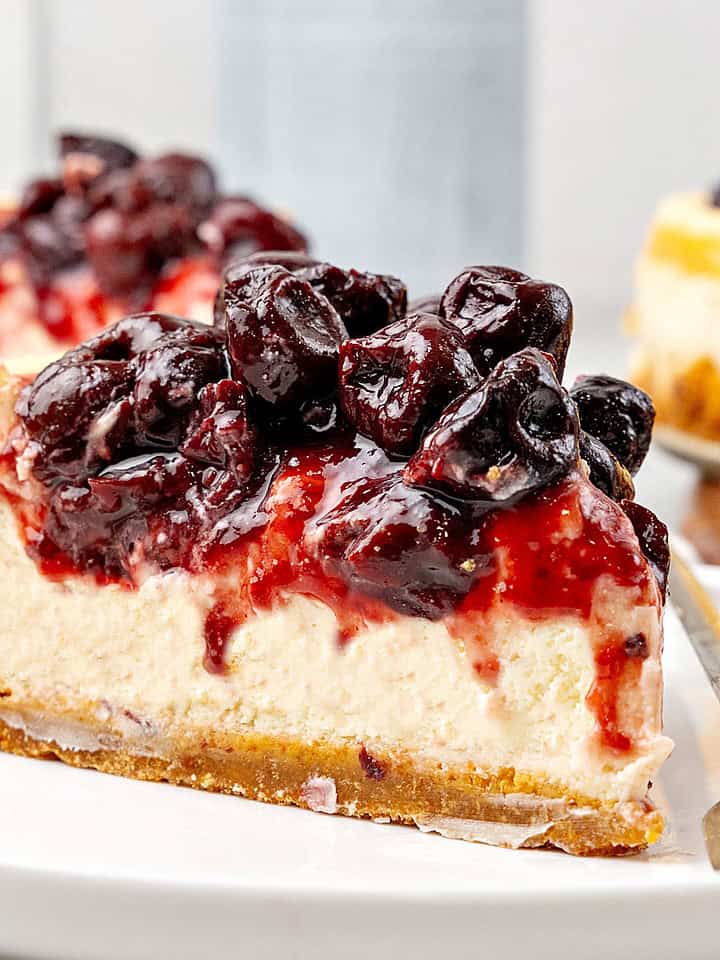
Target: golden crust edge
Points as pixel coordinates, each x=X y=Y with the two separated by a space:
x=687 y=398
x=272 y=770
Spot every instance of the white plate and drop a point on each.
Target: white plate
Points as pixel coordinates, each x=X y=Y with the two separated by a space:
x=98 y=867
x=700 y=451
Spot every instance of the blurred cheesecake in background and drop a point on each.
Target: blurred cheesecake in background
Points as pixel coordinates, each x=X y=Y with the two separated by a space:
x=676 y=314
x=113 y=233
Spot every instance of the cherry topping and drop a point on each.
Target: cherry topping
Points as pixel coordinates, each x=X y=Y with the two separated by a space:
x=108 y=154
x=653 y=537
x=39 y=196
x=500 y=311
x=133 y=384
x=59 y=408
x=129 y=219
x=168 y=377
x=284 y=340
x=617 y=413
x=120 y=262
x=238 y=227
x=46 y=246
x=517 y=432
x=396 y=382
x=400 y=545
x=365 y=301
x=606 y=472
x=173 y=178
x=220 y=432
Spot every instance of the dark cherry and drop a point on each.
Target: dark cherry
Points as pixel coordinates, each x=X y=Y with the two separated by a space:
x=39 y=196
x=653 y=537
x=284 y=340
x=244 y=280
x=174 y=178
x=400 y=545
x=45 y=246
x=395 y=383
x=500 y=311
x=166 y=231
x=428 y=304
x=81 y=410
x=220 y=432
x=140 y=482
x=111 y=154
x=515 y=433
x=606 y=471
x=133 y=335
x=127 y=251
x=321 y=416
x=60 y=408
x=109 y=524
x=69 y=214
x=365 y=301
x=238 y=227
x=121 y=264
x=168 y=378
x=617 y=413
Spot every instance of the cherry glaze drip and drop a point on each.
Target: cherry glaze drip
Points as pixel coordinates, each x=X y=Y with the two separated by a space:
x=219 y=626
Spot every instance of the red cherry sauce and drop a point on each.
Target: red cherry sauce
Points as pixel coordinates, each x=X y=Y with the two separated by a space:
x=334 y=521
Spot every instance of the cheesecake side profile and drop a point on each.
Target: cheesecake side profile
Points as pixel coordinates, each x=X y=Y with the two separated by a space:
x=112 y=233
x=337 y=552
x=675 y=316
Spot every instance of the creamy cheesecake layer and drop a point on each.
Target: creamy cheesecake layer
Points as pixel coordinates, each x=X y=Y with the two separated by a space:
x=137 y=656
x=675 y=313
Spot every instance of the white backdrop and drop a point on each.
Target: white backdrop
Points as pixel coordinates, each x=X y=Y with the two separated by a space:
x=615 y=103
x=623 y=106
x=572 y=117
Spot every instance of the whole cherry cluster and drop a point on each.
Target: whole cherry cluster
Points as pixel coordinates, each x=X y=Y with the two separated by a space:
x=128 y=216
x=160 y=439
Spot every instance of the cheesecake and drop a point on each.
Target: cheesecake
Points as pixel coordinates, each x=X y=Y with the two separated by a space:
x=112 y=233
x=334 y=553
x=675 y=315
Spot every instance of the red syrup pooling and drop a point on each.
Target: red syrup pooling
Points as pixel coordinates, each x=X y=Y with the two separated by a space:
x=335 y=522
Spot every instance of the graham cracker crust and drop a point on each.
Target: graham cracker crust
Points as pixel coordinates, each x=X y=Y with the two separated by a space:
x=687 y=398
x=507 y=808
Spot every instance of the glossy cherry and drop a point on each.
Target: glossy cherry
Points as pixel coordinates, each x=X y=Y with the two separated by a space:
x=284 y=340
x=606 y=471
x=617 y=413
x=395 y=383
x=515 y=433
x=500 y=311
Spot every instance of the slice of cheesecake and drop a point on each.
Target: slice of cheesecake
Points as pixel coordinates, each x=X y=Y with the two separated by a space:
x=332 y=554
x=675 y=314
x=115 y=232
